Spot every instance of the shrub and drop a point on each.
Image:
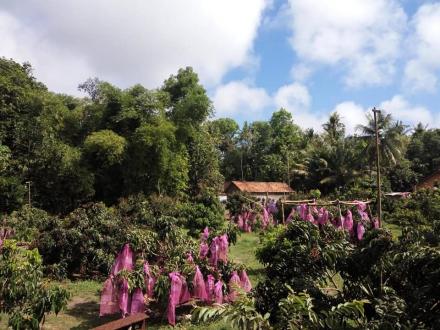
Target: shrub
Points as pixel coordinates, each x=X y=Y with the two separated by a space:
x=84 y=242
x=205 y=211
x=23 y=294
x=299 y=255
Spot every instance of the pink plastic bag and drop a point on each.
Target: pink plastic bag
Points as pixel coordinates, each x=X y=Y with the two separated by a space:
x=246 y=227
x=348 y=223
x=204 y=249
x=265 y=217
x=375 y=223
x=310 y=218
x=205 y=234
x=185 y=295
x=150 y=281
x=223 y=245
x=240 y=222
x=213 y=259
x=218 y=292
x=124 y=260
x=233 y=284
x=290 y=216
x=339 y=222
x=137 y=302
x=189 y=258
x=361 y=206
x=199 y=289
x=174 y=297
x=245 y=282
x=302 y=211
x=124 y=298
x=360 y=231
x=323 y=216
x=210 y=288
x=109 y=299
x=272 y=207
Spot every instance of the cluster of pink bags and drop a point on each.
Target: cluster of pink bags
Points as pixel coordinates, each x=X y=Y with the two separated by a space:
x=248 y=219
x=217 y=251
x=115 y=296
x=322 y=216
x=207 y=291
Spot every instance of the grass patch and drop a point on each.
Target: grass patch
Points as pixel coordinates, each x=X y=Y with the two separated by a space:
x=396 y=230
x=244 y=252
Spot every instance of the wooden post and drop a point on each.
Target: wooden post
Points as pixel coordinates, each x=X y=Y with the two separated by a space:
x=379 y=193
x=282 y=210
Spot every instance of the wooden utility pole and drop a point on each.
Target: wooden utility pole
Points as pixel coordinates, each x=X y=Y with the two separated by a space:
x=379 y=192
x=28 y=183
x=241 y=165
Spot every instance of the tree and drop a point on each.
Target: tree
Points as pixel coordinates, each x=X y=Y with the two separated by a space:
x=11 y=189
x=424 y=150
x=156 y=161
x=336 y=166
x=24 y=296
x=189 y=105
x=104 y=148
x=390 y=138
x=224 y=132
x=334 y=129
x=204 y=169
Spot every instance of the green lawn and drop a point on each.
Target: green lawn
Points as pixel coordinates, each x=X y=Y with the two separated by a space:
x=244 y=252
x=83 y=309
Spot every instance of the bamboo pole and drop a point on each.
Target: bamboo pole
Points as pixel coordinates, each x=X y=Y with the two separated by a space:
x=329 y=203
x=282 y=211
x=379 y=195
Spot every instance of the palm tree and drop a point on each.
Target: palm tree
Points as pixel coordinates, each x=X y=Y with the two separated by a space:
x=334 y=128
x=391 y=140
x=337 y=164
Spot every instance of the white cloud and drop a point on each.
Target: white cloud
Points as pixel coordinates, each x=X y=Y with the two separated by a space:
x=361 y=36
x=237 y=98
x=240 y=99
x=301 y=72
x=143 y=41
x=293 y=97
x=296 y=99
x=352 y=114
x=421 y=72
x=409 y=114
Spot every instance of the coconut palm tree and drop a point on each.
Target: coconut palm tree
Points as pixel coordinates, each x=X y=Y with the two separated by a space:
x=334 y=128
x=391 y=142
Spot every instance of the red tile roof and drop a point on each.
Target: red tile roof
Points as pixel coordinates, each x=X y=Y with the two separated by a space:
x=260 y=187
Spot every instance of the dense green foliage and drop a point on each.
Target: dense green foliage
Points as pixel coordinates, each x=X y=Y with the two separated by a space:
x=85 y=241
x=23 y=293
x=398 y=282
x=109 y=145
x=423 y=208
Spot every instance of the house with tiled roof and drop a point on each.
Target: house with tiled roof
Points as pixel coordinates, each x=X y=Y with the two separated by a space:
x=430 y=182
x=258 y=189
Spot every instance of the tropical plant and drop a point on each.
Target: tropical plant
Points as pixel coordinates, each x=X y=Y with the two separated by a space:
x=24 y=295
x=391 y=144
x=241 y=314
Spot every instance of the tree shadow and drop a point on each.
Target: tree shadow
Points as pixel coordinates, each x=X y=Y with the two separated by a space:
x=88 y=312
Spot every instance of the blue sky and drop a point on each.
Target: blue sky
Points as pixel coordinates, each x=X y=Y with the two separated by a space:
x=312 y=57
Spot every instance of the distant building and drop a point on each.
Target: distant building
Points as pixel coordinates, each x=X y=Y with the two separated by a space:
x=432 y=181
x=272 y=190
